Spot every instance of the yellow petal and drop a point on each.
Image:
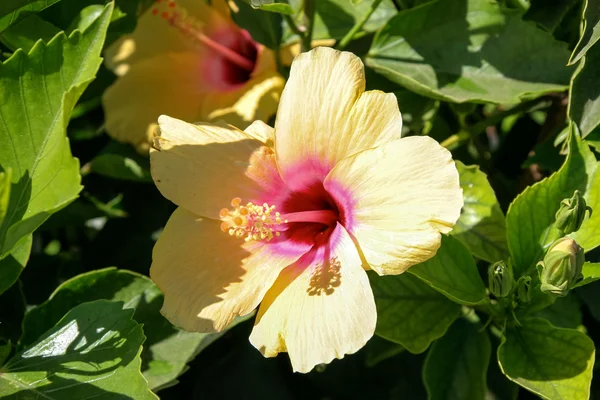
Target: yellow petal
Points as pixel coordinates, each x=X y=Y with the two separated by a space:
x=153 y=35
x=318 y=310
x=165 y=84
x=262 y=132
x=324 y=114
x=317 y=100
x=257 y=99
x=171 y=84
x=405 y=193
x=208 y=277
x=203 y=167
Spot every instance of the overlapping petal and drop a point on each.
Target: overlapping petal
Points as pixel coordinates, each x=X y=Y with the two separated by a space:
x=166 y=71
x=256 y=99
x=209 y=277
x=153 y=35
x=164 y=84
x=318 y=309
x=324 y=114
x=203 y=167
x=404 y=195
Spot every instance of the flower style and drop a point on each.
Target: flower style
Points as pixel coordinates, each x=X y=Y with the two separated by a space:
x=290 y=218
x=189 y=60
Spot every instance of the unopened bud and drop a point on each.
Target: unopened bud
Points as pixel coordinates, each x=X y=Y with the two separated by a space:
x=524 y=293
x=500 y=279
x=561 y=268
x=571 y=213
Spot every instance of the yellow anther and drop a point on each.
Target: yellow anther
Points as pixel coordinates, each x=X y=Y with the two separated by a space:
x=252 y=222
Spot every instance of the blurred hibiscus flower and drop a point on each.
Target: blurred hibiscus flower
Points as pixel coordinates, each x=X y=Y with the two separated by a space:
x=332 y=191
x=188 y=59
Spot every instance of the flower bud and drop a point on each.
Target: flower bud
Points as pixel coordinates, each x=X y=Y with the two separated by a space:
x=524 y=291
x=571 y=213
x=500 y=279
x=561 y=268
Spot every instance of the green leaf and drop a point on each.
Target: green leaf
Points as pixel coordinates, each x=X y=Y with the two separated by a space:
x=409 y=312
x=5 y=178
x=479 y=59
x=530 y=217
x=14 y=262
x=334 y=18
x=584 y=99
x=456 y=365
x=481 y=226
x=549 y=14
x=93 y=351
x=565 y=312
x=378 y=349
x=591 y=30
x=282 y=7
x=120 y=161
x=37 y=93
x=554 y=363
x=25 y=33
x=591 y=273
x=264 y=27
x=593 y=139
x=12 y=11
x=167 y=349
x=452 y=271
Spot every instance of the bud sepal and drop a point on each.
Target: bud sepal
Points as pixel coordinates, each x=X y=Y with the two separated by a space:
x=561 y=268
x=571 y=214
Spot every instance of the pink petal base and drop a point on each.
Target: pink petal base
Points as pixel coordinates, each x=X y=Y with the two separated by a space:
x=312 y=210
x=221 y=73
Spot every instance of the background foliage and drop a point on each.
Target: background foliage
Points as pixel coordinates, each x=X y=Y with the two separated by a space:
x=511 y=87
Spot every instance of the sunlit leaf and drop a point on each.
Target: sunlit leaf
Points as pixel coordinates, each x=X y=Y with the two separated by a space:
x=167 y=349
x=37 y=93
x=591 y=30
x=93 y=351
x=481 y=57
x=530 y=218
x=15 y=10
x=277 y=6
x=584 y=99
x=554 y=363
x=452 y=271
x=481 y=226
x=591 y=273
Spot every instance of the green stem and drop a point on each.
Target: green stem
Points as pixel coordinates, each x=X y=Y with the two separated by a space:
x=292 y=25
x=358 y=26
x=310 y=7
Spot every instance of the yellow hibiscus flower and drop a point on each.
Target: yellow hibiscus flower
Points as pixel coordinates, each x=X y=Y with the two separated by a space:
x=332 y=191
x=189 y=60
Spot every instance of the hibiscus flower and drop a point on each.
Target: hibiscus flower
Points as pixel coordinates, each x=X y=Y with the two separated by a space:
x=291 y=218
x=188 y=59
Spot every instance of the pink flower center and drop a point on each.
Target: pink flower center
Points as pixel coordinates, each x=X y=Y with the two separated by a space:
x=304 y=216
x=230 y=55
